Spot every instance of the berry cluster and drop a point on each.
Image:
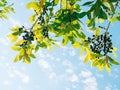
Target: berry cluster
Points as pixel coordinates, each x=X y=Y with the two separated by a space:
x=101 y=44
x=28 y=35
x=41 y=19
x=45 y=32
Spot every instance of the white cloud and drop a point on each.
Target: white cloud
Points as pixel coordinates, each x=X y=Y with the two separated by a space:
x=4 y=41
x=6 y=82
x=81 y=58
x=57 y=59
x=26 y=79
x=67 y=64
x=74 y=78
x=85 y=74
x=69 y=71
x=14 y=22
x=22 y=4
x=52 y=75
x=72 y=52
x=108 y=87
x=100 y=75
x=67 y=88
x=45 y=65
x=19 y=88
x=88 y=80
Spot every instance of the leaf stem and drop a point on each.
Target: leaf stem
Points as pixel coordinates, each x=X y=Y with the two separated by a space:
x=34 y=24
x=111 y=17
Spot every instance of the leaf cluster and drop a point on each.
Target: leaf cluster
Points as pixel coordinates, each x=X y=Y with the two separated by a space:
x=65 y=22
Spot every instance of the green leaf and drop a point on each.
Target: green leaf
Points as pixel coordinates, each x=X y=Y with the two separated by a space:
x=82 y=36
x=77 y=7
x=48 y=3
x=32 y=56
x=12 y=9
x=82 y=14
x=4 y=1
x=27 y=60
x=91 y=22
x=113 y=0
x=36 y=48
x=102 y=14
x=118 y=17
x=1 y=4
x=43 y=44
x=113 y=61
x=87 y=3
x=16 y=33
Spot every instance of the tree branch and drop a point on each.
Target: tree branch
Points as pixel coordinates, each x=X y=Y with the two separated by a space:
x=111 y=17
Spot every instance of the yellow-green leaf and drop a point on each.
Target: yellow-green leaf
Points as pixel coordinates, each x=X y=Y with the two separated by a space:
x=95 y=63
x=32 y=56
x=81 y=51
x=16 y=48
x=16 y=58
x=29 y=51
x=101 y=66
x=32 y=5
x=20 y=42
x=87 y=58
x=101 y=20
x=49 y=45
x=107 y=67
x=114 y=53
x=97 y=32
x=27 y=60
x=22 y=51
x=56 y=2
x=13 y=37
x=76 y=45
x=65 y=40
x=32 y=18
x=15 y=29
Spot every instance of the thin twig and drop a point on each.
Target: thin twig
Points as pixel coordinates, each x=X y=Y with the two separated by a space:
x=111 y=17
x=34 y=24
x=61 y=6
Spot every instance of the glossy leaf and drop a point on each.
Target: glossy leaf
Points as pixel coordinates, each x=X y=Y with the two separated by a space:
x=113 y=61
x=88 y=3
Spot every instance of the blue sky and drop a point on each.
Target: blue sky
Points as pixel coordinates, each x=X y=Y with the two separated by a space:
x=61 y=69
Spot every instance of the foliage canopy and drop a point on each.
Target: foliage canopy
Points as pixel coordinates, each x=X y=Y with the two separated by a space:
x=63 y=18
